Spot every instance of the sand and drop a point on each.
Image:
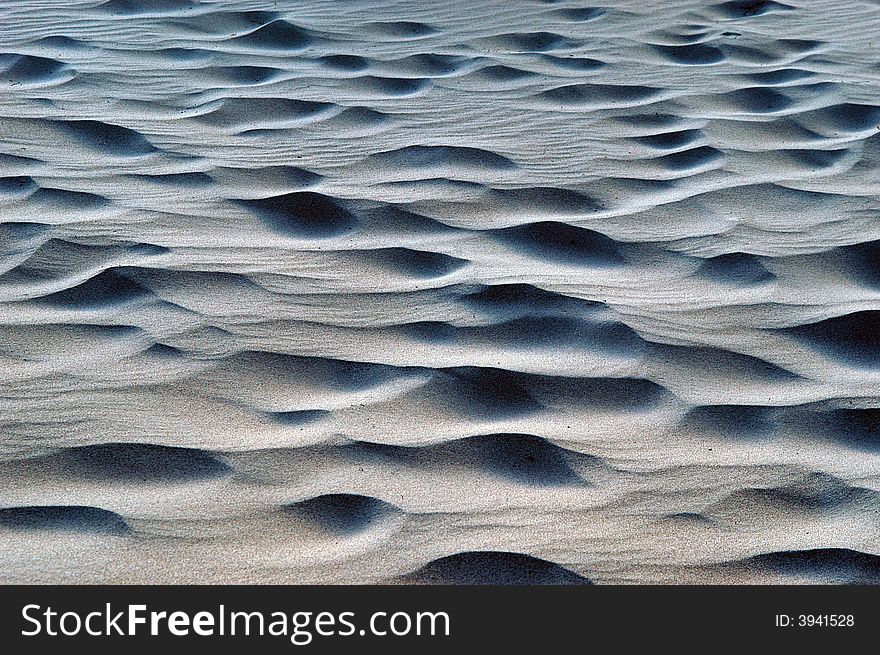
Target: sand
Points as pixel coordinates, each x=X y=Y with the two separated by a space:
x=411 y=292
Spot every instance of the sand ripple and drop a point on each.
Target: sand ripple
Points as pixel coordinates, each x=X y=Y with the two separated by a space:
x=439 y=292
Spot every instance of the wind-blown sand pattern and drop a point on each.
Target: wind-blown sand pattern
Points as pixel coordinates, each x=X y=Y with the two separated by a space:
x=510 y=291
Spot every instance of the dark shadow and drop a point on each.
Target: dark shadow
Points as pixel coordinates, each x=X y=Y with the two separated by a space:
x=735 y=269
x=299 y=417
x=839 y=565
x=426 y=156
x=342 y=514
x=495 y=568
x=277 y=35
x=853 y=339
x=134 y=462
x=697 y=54
x=304 y=214
x=670 y=140
x=104 y=137
x=561 y=243
x=64 y=518
x=419 y=264
x=743 y=422
x=107 y=289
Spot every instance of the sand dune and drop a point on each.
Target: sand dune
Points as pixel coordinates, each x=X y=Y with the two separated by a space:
x=462 y=292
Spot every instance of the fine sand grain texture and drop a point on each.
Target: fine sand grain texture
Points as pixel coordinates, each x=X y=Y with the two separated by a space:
x=484 y=291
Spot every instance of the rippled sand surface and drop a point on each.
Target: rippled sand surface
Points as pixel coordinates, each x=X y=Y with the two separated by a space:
x=467 y=291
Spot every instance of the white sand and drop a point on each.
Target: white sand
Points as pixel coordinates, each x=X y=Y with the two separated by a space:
x=331 y=291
